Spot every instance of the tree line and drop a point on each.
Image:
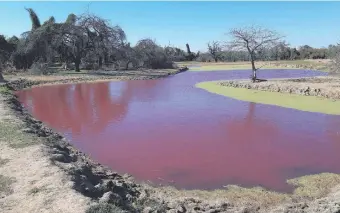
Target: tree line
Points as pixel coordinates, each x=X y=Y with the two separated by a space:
x=280 y=51
x=85 y=41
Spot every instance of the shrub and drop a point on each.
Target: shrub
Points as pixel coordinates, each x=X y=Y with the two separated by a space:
x=40 y=68
x=335 y=65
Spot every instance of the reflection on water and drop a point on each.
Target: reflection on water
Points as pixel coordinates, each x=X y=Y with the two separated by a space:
x=169 y=132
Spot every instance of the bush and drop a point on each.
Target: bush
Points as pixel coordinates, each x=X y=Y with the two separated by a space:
x=335 y=65
x=40 y=68
x=22 y=60
x=8 y=69
x=157 y=63
x=204 y=58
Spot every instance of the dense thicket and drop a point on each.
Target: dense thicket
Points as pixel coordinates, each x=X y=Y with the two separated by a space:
x=84 y=42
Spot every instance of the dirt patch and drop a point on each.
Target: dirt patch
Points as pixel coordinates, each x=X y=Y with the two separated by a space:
x=327 y=87
x=45 y=187
x=91 y=76
x=3 y=161
x=28 y=180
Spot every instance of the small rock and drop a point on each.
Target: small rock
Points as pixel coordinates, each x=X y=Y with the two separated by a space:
x=213 y=211
x=110 y=184
x=172 y=205
x=99 y=187
x=88 y=187
x=126 y=176
x=106 y=197
x=57 y=151
x=59 y=157
x=147 y=210
x=42 y=134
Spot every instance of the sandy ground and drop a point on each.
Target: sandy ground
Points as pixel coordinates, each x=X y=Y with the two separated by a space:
x=33 y=184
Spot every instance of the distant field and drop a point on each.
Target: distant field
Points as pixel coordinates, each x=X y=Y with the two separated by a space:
x=322 y=65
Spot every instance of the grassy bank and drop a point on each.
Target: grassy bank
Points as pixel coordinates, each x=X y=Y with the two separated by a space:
x=294 y=101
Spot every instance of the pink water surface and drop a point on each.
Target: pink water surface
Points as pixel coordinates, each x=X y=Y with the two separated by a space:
x=167 y=131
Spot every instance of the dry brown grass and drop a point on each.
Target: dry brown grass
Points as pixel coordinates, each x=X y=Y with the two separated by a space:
x=314 y=186
x=322 y=65
x=28 y=180
x=308 y=188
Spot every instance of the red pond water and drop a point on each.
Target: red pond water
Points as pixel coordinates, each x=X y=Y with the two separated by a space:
x=169 y=132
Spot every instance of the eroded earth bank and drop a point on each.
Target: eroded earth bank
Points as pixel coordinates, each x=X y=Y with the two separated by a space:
x=41 y=172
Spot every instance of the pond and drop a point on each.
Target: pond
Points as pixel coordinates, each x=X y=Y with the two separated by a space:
x=171 y=133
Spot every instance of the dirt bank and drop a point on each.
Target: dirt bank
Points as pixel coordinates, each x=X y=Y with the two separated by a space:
x=41 y=171
x=90 y=76
x=327 y=87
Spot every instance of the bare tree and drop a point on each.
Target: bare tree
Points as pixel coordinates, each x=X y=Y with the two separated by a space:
x=253 y=39
x=335 y=63
x=215 y=50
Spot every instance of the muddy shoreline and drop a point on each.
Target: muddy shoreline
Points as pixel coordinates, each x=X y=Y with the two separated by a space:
x=107 y=189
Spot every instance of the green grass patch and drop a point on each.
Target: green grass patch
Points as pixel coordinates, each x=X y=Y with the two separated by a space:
x=4 y=89
x=12 y=134
x=294 y=101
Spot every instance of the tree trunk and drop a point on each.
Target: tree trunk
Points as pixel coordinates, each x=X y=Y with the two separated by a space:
x=127 y=65
x=253 y=67
x=106 y=58
x=1 y=77
x=77 y=64
x=100 y=62
x=216 y=59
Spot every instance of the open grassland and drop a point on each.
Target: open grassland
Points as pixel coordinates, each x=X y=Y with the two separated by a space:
x=321 y=65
